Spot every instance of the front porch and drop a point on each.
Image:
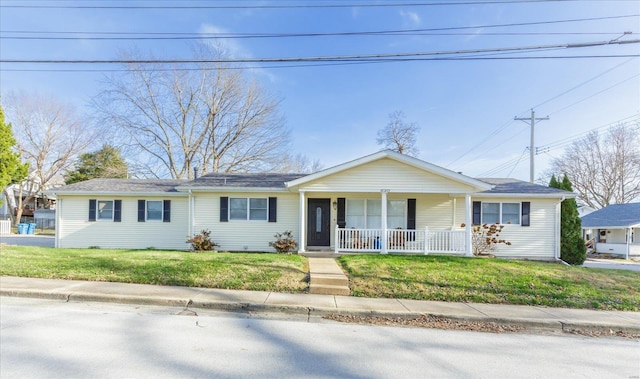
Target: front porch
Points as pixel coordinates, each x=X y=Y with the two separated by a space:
x=422 y=241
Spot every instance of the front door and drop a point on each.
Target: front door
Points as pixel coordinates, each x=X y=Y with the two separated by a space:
x=319 y=222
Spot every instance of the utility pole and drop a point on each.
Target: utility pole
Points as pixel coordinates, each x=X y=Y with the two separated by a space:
x=532 y=122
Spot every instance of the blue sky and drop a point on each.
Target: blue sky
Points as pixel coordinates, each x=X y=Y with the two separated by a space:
x=465 y=108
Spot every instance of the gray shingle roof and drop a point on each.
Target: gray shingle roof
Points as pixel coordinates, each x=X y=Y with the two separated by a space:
x=264 y=180
x=122 y=185
x=513 y=186
x=622 y=215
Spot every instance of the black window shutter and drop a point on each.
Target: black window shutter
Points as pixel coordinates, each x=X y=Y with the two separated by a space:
x=166 y=211
x=273 y=209
x=141 y=210
x=477 y=213
x=342 y=214
x=117 y=210
x=411 y=219
x=92 y=209
x=526 y=210
x=224 y=209
x=411 y=213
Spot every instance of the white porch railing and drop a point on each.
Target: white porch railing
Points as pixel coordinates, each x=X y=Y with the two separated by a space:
x=422 y=241
x=5 y=227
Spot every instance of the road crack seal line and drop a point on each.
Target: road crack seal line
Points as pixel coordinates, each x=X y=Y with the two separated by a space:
x=186 y=311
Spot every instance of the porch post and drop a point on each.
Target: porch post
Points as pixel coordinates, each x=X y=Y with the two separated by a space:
x=629 y=231
x=467 y=222
x=303 y=232
x=383 y=222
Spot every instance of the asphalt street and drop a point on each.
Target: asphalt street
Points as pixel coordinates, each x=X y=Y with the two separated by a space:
x=44 y=338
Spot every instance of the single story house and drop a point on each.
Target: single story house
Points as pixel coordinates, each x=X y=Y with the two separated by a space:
x=614 y=229
x=381 y=203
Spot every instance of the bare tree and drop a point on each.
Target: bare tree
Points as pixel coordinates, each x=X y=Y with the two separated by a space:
x=297 y=164
x=604 y=169
x=50 y=135
x=176 y=118
x=399 y=136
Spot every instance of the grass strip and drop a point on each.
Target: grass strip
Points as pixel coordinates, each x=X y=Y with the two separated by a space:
x=241 y=271
x=494 y=281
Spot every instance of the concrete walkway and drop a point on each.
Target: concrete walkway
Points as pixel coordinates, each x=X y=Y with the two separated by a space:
x=326 y=277
x=555 y=319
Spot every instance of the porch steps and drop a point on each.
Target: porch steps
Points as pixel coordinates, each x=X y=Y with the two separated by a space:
x=326 y=277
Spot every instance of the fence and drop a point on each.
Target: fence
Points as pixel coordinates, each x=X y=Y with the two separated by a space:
x=422 y=241
x=5 y=227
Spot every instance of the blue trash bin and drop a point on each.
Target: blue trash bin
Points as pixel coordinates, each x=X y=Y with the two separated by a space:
x=32 y=228
x=23 y=228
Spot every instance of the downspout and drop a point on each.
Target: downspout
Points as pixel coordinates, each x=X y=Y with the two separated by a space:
x=191 y=213
x=58 y=225
x=558 y=231
x=629 y=231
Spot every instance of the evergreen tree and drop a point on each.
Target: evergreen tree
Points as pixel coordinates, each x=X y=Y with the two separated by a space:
x=104 y=163
x=11 y=169
x=572 y=248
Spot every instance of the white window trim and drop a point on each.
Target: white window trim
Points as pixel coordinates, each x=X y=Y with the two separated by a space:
x=500 y=211
x=248 y=213
x=113 y=211
x=146 y=211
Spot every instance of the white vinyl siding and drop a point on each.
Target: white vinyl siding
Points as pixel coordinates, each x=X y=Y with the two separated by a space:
x=386 y=174
x=76 y=231
x=245 y=236
x=537 y=241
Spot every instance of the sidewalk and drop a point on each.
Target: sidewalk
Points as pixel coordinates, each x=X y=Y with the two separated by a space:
x=555 y=319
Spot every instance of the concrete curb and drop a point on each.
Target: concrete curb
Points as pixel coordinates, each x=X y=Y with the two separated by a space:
x=312 y=311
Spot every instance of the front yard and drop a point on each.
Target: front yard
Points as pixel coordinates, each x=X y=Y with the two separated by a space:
x=491 y=281
x=256 y=272
x=408 y=277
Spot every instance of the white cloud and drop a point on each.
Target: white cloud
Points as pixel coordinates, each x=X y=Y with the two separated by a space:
x=411 y=18
x=230 y=48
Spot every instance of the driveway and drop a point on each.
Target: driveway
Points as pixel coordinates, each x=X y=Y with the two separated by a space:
x=614 y=264
x=28 y=240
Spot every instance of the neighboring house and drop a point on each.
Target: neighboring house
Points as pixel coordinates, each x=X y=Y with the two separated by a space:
x=584 y=210
x=381 y=203
x=614 y=229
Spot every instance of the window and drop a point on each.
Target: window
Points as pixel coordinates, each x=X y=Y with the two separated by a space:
x=248 y=209
x=257 y=209
x=510 y=213
x=396 y=214
x=367 y=214
x=491 y=213
x=501 y=213
x=105 y=210
x=154 y=210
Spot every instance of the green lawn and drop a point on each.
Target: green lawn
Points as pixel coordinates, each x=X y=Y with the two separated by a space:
x=491 y=281
x=258 y=272
x=407 y=277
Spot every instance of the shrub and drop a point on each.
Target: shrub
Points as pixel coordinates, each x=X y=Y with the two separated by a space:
x=485 y=239
x=284 y=243
x=202 y=241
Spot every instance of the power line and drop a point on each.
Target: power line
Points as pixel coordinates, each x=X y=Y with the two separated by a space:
x=355 y=33
x=260 y=5
x=333 y=58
